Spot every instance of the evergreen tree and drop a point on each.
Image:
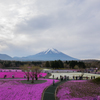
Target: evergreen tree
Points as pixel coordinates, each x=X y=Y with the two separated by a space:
x=47 y=64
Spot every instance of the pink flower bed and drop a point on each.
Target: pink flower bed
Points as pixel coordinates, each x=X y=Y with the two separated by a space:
x=73 y=90
x=15 y=90
x=17 y=74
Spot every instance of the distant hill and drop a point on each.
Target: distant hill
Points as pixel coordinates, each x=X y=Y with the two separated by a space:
x=89 y=60
x=5 y=57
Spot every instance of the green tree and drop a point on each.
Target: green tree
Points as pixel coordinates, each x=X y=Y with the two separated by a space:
x=26 y=70
x=72 y=64
x=37 y=70
x=47 y=64
x=52 y=64
x=1 y=66
x=76 y=67
x=81 y=65
x=61 y=65
x=57 y=64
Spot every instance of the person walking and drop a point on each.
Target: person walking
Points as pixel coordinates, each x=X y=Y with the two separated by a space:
x=60 y=77
x=91 y=77
x=79 y=77
x=76 y=77
x=24 y=76
x=86 y=78
x=67 y=77
x=57 y=78
x=73 y=77
x=5 y=76
x=12 y=76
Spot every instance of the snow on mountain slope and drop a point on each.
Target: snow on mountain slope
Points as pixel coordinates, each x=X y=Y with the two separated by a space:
x=49 y=51
x=52 y=51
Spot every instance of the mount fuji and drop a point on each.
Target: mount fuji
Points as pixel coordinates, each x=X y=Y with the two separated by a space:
x=48 y=55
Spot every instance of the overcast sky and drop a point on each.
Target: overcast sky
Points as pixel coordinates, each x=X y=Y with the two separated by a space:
x=28 y=27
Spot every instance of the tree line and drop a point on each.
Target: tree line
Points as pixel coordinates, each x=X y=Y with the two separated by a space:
x=75 y=64
x=54 y=64
x=51 y=64
x=17 y=64
x=67 y=64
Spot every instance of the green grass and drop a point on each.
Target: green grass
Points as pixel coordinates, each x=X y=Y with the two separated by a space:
x=35 y=81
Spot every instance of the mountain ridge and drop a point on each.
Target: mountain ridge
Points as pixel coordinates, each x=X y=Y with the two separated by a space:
x=5 y=57
x=48 y=55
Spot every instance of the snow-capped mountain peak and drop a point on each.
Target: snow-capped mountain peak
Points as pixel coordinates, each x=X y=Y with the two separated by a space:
x=52 y=54
x=51 y=50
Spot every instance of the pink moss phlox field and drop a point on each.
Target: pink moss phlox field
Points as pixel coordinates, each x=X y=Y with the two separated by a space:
x=15 y=90
x=64 y=92
x=17 y=74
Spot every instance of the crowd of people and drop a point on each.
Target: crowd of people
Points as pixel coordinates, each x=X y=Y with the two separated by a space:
x=63 y=78
x=74 y=77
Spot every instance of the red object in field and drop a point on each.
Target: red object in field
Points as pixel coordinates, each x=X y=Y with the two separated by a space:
x=87 y=78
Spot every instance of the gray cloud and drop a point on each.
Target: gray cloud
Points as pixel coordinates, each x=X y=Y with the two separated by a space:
x=35 y=24
x=71 y=26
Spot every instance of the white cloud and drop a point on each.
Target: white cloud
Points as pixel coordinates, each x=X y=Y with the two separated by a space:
x=30 y=26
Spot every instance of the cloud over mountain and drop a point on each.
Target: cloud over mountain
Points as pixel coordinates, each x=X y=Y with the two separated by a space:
x=28 y=27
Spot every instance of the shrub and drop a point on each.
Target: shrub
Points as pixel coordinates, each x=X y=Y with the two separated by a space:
x=97 y=80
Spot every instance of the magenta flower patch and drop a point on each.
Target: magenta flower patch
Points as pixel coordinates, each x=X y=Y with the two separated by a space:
x=78 y=90
x=13 y=89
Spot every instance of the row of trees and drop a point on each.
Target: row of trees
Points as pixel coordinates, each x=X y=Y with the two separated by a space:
x=75 y=64
x=93 y=64
x=54 y=64
x=67 y=64
x=8 y=64
x=51 y=64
